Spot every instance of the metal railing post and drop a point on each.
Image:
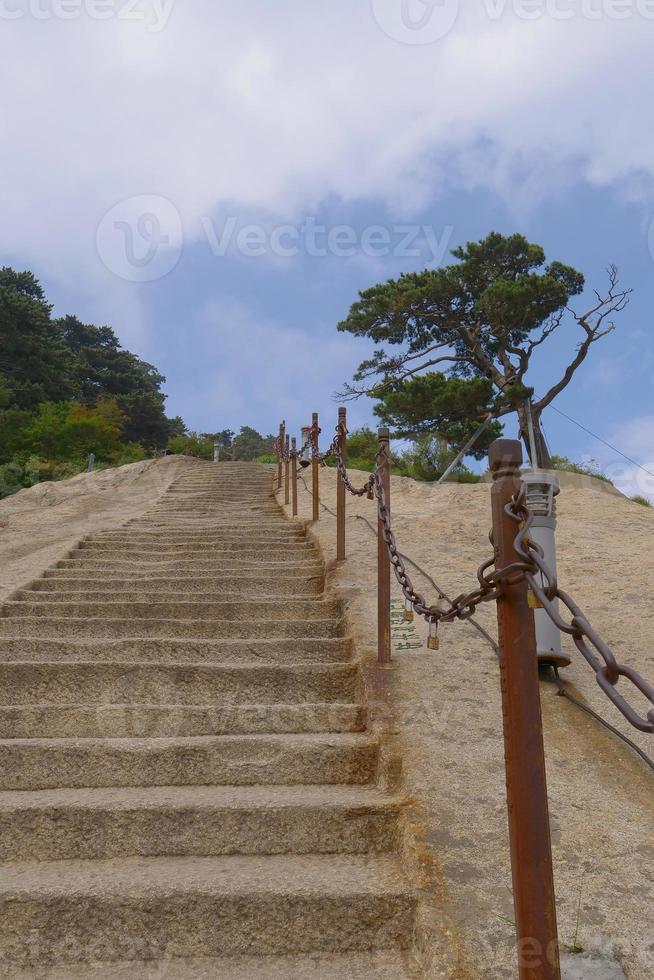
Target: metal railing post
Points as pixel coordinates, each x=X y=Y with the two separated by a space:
x=287 y=468
x=340 y=488
x=383 y=558
x=294 y=474
x=282 y=434
x=529 y=828
x=315 y=467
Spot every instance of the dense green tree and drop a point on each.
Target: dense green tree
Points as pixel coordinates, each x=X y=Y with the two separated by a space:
x=482 y=317
x=249 y=444
x=452 y=407
x=36 y=365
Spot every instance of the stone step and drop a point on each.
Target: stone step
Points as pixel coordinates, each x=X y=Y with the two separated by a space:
x=148 y=591
x=61 y=627
x=202 y=821
x=178 y=720
x=371 y=965
x=245 y=548
x=180 y=651
x=254 y=573
x=234 y=561
x=283 y=534
x=220 y=542
x=64 y=580
x=94 y=682
x=239 y=760
x=228 y=611
x=133 y=908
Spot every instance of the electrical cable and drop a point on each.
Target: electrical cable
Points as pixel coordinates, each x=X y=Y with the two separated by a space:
x=564 y=692
x=603 y=441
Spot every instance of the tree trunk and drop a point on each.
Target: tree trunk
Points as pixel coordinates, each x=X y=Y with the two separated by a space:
x=543 y=460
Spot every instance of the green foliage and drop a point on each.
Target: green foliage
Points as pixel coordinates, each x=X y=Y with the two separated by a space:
x=67 y=389
x=591 y=468
x=500 y=289
x=69 y=432
x=428 y=460
x=644 y=501
x=192 y=444
x=249 y=444
x=36 y=365
x=451 y=407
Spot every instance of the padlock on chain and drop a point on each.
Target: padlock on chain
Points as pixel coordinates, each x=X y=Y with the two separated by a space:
x=433 y=642
x=408 y=611
x=533 y=600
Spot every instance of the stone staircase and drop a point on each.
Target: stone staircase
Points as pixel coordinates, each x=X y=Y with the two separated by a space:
x=187 y=788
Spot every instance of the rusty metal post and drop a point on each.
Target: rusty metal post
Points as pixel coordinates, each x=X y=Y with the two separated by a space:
x=294 y=474
x=282 y=434
x=287 y=473
x=340 y=488
x=315 y=466
x=529 y=828
x=383 y=558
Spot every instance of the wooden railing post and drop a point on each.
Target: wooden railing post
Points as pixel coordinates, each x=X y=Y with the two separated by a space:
x=282 y=434
x=315 y=467
x=529 y=828
x=294 y=474
x=287 y=470
x=383 y=558
x=340 y=488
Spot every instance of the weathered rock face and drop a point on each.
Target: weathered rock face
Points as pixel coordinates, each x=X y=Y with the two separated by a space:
x=186 y=781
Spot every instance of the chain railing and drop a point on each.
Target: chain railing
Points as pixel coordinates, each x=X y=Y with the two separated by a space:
x=517 y=578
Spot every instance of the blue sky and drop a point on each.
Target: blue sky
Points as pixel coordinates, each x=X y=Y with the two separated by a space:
x=141 y=148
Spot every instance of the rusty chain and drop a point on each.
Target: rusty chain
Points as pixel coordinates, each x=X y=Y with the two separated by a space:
x=543 y=583
x=530 y=566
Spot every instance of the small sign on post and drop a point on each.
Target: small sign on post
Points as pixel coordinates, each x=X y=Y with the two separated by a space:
x=91 y=463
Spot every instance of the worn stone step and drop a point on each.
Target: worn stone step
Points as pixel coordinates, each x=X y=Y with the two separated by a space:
x=169 y=593
x=94 y=682
x=195 y=560
x=191 y=566
x=190 y=906
x=226 y=650
x=208 y=585
x=371 y=965
x=231 y=571
x=178 y=720
x=245 y=549
x=205 y=821
x=239 y=760
x=223 y=542
x=225 y=610
x=284 y=534
x=62 y=627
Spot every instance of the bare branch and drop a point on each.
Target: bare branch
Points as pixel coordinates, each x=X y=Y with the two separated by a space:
x=594 y=324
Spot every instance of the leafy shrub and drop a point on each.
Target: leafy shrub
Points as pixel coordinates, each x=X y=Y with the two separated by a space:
x=591 y=468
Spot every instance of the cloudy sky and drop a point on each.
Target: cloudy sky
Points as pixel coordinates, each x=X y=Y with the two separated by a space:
x=217 y=179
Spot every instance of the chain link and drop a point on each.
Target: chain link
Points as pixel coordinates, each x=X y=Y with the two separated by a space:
x=530 y=566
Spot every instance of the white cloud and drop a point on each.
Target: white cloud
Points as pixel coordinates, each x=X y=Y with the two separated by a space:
x=275 y=107
x=635 y=439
